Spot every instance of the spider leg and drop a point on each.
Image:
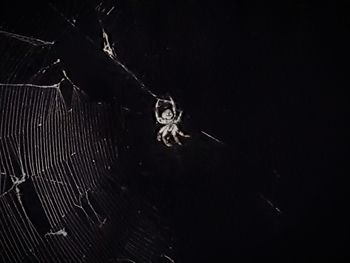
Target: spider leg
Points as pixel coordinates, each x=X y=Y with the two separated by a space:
x=159 y=134
x=156 y=111
x=172 y=104
x=159 y=120
x=179 y=117
x=174 y=133
x=183 y=135
x=164 y=134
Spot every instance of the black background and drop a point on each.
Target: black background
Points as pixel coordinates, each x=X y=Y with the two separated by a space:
x=261 y=77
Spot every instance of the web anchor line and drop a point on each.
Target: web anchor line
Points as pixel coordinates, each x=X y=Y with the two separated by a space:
x=109 y=50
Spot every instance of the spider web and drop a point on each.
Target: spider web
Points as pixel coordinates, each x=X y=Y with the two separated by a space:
x=61 y=195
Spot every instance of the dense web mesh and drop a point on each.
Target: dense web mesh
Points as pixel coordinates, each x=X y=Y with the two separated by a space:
x=63 y=157
x=61 y=196
x=59 y=153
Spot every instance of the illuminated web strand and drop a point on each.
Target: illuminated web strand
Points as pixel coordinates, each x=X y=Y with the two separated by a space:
x=30 y=40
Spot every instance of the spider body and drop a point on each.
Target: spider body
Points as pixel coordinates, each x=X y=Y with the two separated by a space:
x=166 y=114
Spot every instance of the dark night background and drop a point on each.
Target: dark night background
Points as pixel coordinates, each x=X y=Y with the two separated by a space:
x=259 y=76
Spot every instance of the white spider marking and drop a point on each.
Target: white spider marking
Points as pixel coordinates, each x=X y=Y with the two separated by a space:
x=170 y=118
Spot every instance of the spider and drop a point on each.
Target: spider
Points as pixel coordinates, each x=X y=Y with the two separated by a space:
x=167 y=115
